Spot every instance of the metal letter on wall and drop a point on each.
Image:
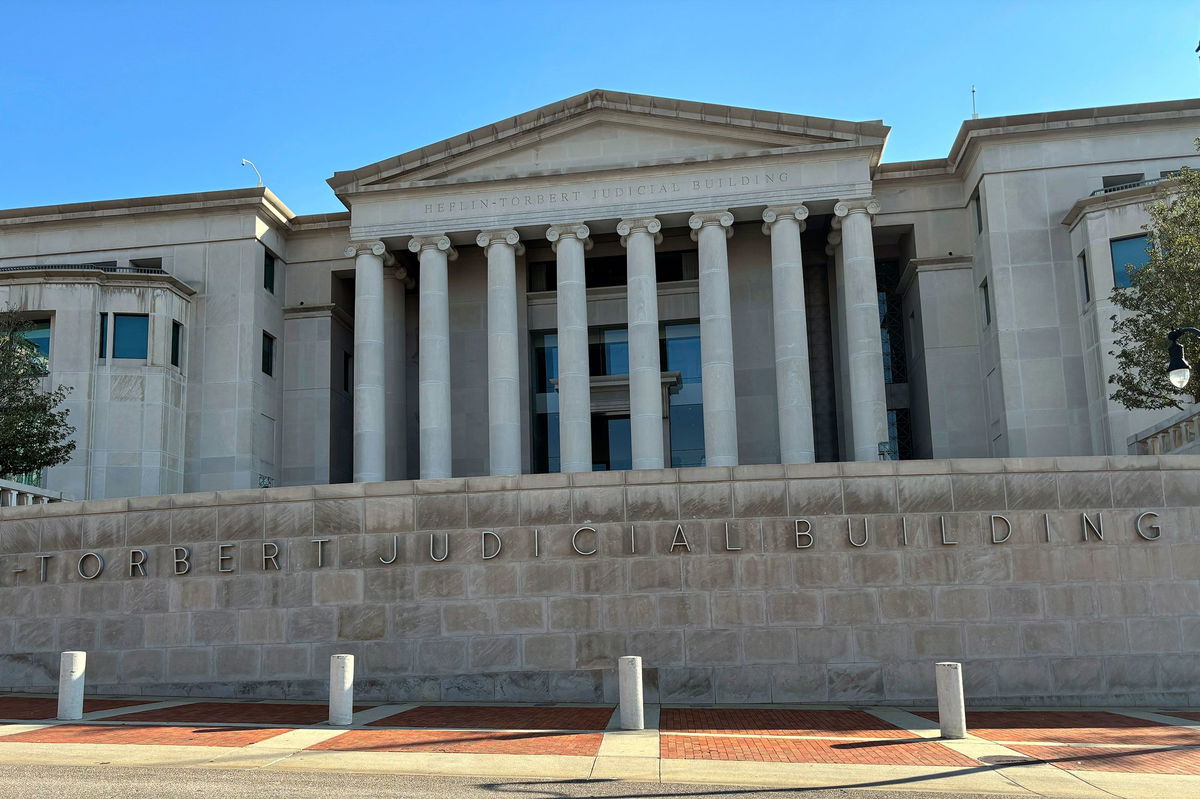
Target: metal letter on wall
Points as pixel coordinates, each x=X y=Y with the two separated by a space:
x=137 y=562
x=575 y=541
x=806 y=533
x=1088 y=525
x=866 y=536
x=1142 y=532
x=395 y=551
x=445 y=547
x=1007 y=528
x=680 y=539
x=183 y=561
x=270 y=555
x=222 y=557
x=99 y=565
x=729 y=547
x=483 y=544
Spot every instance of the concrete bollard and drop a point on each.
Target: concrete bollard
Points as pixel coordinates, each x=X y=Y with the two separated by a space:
x=71 y=666
x=629 y=679
x=952 y=709
x=341 y=690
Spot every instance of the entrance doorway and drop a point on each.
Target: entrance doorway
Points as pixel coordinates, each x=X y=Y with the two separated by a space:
x=612 y=446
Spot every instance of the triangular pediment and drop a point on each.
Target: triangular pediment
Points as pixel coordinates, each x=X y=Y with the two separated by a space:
x=601 y=130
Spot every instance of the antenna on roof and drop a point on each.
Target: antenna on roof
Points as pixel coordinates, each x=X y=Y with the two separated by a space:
x=974 y=113
x=249 y=163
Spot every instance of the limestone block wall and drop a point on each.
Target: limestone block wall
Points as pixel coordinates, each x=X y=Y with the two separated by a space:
x=826 y=582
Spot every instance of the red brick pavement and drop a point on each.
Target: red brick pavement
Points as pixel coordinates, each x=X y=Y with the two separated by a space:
x=236 y=713
x=1141 y=761
x=500 y=718
x=842 y=723
x=1072 y=726
x=810 y=750
x=37 y=708
x=492 y=743
x=132 y=734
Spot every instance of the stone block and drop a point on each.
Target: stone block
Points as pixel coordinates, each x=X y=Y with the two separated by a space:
x=188 y=525
x=388 y=514
x=655 y=574
x=361 y=622
x=799 y=683
x=142 y=529
x=493 y=509
x=991 y=565
x=875 y=568
x=1069 y=601
x=441 y=512
x=870 y=495
x=237 y=591
x=441 y=655
x=73 y=634
x=992 y=640
x=145 y=596
x=595 y=505
x=1037 y=565
x=962 y=604
x=1174 y=599
x=193 y=664
x=463 y=618
x=338 y=587
x=166 y=629
x=765 y=571
x=239 y=522
x=1101 y=637
x=520 y=615
x=1032 y=491
x=684 y=610
x=194 y=593
x=468 y=688
x=498 y=652
x=760 y=498
x=1154 y=636
x=491 y=580
x=288 y=520
x=769 y=645
x=854 y=682
x=599 y=650
x=905 y=604
x=737 y=609
x=851 y=607
x=705 y=501
x=629 y=612
x=1077 y=676
x=924 y=494
x=1047 y=638
x=707 y=573
x=36 y=634
x=413 y=620
x=1086 y=491
x=690 y=685
x=983 y=492
x=574 y=613
x=743 y=684
x=440 y=582
x=142 y=665
x=819 y=570
x=658 y=648
x=545 y=652
x=1148 y=562
x=712 y=647
x=236 y=662
x=545 y=578
x=550 y=506
x=119 y=632
x=1015 y=602
x=307 y=624
x=1181 y=488
x=261 y=626
x=651 y=502
x=884 y=643
x=601 y=577
x=929 y=567
x=815 y=497
x=794 y=607
x=1130 y=674
x=1137 y=489
x=937 y=641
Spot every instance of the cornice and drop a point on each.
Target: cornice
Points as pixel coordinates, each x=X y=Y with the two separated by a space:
x=270 y=207
x=96 y=277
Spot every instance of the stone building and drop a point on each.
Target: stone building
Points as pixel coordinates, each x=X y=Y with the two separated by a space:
x=613 y=281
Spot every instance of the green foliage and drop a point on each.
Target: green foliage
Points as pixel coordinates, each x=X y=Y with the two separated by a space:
x=33 y=434
x=1164 y=296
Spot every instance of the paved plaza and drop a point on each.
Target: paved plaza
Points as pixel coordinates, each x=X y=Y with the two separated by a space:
x=1144 y=752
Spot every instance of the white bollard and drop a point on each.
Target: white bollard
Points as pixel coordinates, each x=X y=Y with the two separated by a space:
x=71 y=666
x=952 y=709
x=341 y=690
x=629 y=679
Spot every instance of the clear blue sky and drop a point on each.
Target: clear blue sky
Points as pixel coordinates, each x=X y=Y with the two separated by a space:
x=101 y=100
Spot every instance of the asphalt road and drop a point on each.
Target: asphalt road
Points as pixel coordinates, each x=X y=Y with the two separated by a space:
x=105 y=782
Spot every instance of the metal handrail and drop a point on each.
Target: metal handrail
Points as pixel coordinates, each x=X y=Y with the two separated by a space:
x=1123 y=186
x=110 y=268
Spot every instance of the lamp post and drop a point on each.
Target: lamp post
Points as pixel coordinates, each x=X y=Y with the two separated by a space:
x=1178 y=369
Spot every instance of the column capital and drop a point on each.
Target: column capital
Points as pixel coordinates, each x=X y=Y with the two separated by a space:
x=649 y=224
x=401 y=273
x=486 y=238
x=436 y=242
x=868 y=205
x=378 y=248
x=575 y=229
x=775 y=212
x=711 y=218
x=834 y=239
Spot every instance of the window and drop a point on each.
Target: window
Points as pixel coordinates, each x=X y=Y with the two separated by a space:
x=1128 y=256
x=681 y=353
x=176 y=343
x=268 y=354
x=39 y=336
x=103 y=335
x=987 y=302
x=1117 y=181
x=130 y=335
x=268 y=271
x=609 y=270
x=1083 y=275
x=608 y=351
x=978 y=213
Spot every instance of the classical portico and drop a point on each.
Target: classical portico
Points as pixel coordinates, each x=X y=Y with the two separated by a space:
x=716 y=206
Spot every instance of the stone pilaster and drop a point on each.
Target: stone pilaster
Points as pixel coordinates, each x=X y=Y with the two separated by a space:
x=503 y=347
x=433 y=389
x=639 y=236
x=574 y=372
x=709 y=231
x=370 y=425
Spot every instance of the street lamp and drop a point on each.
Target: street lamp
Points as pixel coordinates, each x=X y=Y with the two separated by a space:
x=1178 y=369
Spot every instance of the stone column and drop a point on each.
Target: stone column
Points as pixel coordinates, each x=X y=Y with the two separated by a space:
x=395 y=350
x=864 y=347
x=370 y=425
x=793 y=392
x=433 y=353
x=504 y=364
x=645 y=373
x=574 y=372
x=709 y=231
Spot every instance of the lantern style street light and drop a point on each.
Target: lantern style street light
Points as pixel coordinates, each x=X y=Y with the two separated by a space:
x=1178 y=369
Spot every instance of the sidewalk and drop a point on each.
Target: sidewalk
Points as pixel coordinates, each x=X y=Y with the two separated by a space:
x=1132 y=753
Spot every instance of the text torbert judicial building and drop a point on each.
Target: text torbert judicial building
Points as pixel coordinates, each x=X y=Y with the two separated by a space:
x=619 y=375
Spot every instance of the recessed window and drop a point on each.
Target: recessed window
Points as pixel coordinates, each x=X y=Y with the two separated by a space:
x=347 y=371
x=978 y=213
x=103 y=335
x=268 y=353
x=268 y=271
x=131 y=333
x=38 y=335
x=1083 y=276
x=1128 y=256
x=176 y=343
x=986 y=298
x=1118 y=181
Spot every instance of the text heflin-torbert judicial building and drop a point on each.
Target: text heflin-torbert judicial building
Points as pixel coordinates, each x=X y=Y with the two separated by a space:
x=613 y=281
x=621 y=375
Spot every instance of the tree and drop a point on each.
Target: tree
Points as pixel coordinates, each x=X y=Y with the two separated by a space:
x=1164 y=295
x=33 y=434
